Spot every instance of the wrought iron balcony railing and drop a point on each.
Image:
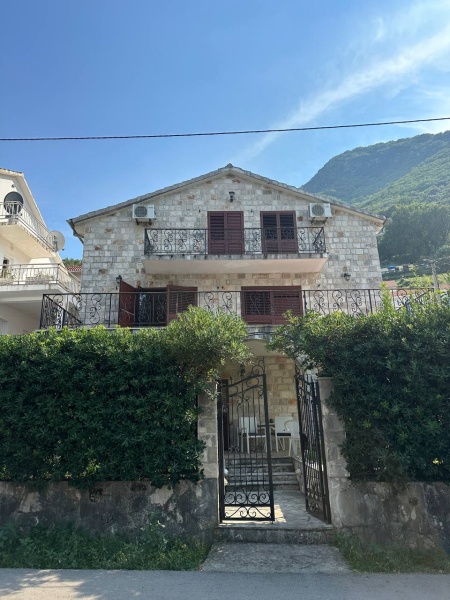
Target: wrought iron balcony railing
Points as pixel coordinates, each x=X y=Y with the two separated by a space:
x=15 y=213
x=156 y=309
x=33 y=274
x=290 y=240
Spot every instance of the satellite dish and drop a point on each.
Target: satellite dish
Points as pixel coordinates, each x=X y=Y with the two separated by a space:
x=13 y=203
x=58 y=240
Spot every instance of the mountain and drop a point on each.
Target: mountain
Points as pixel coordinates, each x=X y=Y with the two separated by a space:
x=377 y=177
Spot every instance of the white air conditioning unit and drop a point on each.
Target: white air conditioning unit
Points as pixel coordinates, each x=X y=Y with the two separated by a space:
x=140 y=211
x=320 y=210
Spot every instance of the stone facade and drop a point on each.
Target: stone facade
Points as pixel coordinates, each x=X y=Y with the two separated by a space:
x=114 y=242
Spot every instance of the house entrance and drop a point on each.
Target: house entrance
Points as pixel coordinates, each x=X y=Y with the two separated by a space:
x=245 y=469
x=315 y=477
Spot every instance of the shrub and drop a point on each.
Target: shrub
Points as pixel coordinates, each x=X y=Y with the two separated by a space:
x=391 y=386
x=89 y=405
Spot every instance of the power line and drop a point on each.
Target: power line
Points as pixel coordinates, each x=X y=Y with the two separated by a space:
x=214 y=133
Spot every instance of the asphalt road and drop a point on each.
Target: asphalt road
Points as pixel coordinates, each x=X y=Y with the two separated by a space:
x=26 y=584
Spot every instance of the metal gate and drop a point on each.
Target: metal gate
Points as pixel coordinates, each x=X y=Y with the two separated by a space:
x=313 y=447
x=245 y=468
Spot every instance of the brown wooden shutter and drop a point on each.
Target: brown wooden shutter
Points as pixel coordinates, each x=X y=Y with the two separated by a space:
x=279 y=233
x=284 y=300
x=268 y=305
x=226 y=232
x=179 y=299
x=127 y=305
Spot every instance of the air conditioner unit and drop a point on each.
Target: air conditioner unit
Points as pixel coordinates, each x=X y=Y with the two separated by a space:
x=140 y=211
x=320 y=210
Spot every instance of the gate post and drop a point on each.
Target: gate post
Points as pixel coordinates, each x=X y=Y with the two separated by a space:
x=207 y=432
x=334 y=435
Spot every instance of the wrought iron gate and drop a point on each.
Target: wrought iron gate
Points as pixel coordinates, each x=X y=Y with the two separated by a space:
x=313 y=447
x=245 y=468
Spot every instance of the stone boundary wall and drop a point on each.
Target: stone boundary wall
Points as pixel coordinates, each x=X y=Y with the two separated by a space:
x=417 y=515
x=114 y=507
x=125 y=506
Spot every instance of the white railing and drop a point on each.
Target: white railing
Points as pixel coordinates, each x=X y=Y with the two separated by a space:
x=15 y=213
x=34 y=274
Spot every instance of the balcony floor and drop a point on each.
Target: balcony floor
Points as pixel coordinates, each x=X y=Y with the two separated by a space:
x=257 y=263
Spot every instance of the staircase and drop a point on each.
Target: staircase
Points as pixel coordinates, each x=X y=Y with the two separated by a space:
x=242 y=471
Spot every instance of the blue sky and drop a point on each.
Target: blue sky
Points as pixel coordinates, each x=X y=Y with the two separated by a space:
x=102 y=67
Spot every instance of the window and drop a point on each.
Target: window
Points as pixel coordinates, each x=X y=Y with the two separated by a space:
x=268 y=305
x=226 y=232
x=279 y=233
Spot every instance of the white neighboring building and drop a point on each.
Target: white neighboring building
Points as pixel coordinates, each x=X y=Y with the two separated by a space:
x=30 y=266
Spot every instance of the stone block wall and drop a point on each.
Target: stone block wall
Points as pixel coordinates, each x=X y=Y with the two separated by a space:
x=114 y=243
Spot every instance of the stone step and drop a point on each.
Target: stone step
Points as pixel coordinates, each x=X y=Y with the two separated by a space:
x=259 y=469
x=263 y=534
x=279 y=485
x=285 y=483
x=262 y=474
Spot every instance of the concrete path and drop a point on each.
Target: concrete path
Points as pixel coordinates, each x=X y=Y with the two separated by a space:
x=274 y=558
x=25 y=584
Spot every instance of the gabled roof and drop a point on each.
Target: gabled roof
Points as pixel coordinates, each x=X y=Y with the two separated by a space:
x=228 y=169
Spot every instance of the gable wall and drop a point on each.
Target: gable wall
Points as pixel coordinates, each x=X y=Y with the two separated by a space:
x=114 y=243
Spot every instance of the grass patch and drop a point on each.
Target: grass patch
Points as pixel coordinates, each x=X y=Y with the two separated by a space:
x=66 y=548
x=388 y=558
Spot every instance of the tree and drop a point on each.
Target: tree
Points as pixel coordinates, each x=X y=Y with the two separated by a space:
x=414 y=232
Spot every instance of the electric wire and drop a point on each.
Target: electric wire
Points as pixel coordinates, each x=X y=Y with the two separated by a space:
x=215 y=133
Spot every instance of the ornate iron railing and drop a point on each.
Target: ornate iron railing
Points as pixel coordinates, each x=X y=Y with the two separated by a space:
x=14 y=213
x=156 y=309
x=42 y=274
x=290 y=240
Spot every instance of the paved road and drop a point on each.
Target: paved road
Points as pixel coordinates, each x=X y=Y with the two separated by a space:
x=26 y=584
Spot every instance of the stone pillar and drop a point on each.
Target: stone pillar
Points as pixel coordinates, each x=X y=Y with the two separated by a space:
x=334 y=435
x=207 y=432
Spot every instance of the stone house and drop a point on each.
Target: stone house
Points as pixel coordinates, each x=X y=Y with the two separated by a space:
x=234 y=240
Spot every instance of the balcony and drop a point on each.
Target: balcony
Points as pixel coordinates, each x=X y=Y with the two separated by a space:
x=242 y=250
x=20 y=227
x=258 y=307
x=24 y=281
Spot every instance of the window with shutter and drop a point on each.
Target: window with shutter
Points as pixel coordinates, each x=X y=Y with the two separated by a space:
x=226 y=232
x=279 y=233
x=179 y=299
x=268 y=305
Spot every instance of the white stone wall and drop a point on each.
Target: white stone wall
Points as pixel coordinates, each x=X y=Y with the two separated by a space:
x=114 y=243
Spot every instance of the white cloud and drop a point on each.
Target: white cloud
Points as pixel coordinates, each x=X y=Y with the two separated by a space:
x=400 y=70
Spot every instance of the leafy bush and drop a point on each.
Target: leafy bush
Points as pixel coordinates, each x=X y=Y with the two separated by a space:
x=90 y=405
x=391 y=386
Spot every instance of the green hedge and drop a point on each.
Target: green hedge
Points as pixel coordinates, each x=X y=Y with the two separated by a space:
x=391 y=375
x=91 y=405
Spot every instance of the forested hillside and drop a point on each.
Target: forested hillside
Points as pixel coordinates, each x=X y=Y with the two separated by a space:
x=407 y=180
x=400 y=172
